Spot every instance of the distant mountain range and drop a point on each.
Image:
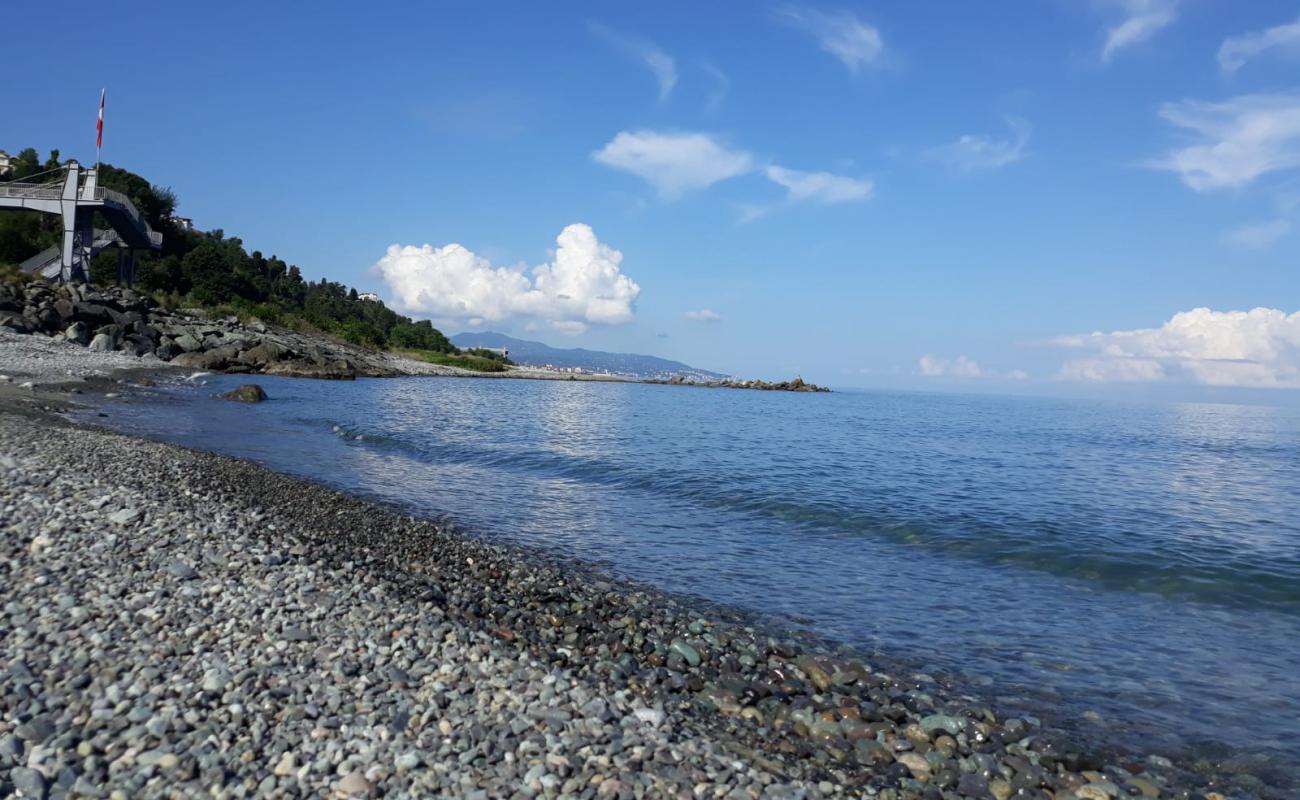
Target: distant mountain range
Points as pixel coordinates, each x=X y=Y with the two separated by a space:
x=536 y=353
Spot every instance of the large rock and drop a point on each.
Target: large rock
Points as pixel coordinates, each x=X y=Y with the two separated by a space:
x=265 y=353
x=188 y=343
x=102 y=343
x=16 y=322
x=136 y=344
x=248 y=393
x=77 y=332
x=301 y=368
x=92 y=314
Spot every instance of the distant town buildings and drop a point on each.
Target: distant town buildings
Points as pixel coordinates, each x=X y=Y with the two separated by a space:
x=6 y=162
x=371 y=296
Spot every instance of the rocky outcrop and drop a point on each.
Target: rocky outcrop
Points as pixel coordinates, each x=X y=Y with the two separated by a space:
x=112 y=318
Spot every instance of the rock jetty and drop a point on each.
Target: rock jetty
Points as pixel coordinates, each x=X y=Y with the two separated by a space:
x=796 y=385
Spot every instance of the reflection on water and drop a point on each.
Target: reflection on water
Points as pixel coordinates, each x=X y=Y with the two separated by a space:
x=1139 y=561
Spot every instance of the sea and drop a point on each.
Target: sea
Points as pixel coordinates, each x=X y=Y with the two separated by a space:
x=1129 y=569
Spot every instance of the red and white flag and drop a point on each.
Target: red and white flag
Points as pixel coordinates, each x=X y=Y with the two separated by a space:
x=99 y=126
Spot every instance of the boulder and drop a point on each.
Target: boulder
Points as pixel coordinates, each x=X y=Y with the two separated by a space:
x=265 y=353
x=77 y=332
x=102 y=343
x=64 y=308
x=16 y=322
x=188 y=343
x=167 y=349
x=90 y=313
x=248 y=393
x=136 y=344
x=191 y=360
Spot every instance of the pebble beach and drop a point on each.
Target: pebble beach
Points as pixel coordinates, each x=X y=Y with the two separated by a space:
x=179 y=624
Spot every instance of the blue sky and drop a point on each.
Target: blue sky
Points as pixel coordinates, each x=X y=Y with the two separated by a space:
x=880 y=194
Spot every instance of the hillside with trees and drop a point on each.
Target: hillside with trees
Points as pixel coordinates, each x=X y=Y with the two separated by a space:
x=211 y=270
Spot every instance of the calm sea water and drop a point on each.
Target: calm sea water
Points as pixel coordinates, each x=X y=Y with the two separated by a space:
x=1137 y=561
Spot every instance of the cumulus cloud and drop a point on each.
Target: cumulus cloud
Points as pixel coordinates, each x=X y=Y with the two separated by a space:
x=674 y=163
x=820 y=187
x=1141 y=20
x=581 y=286
x=840 y=33
x=1258 y=235
x=1236 y=141
x=660 y=64
x=973 y=152
x=1258 y=348
x=1237 y=50
x=959 y=367
x=703 y=315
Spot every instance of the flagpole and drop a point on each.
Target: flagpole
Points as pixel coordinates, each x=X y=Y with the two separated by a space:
x=99 y=128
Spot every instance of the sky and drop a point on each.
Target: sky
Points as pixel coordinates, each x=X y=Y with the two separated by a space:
x=1050 y=195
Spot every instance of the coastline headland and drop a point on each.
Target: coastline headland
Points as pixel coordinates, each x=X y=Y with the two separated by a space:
x=186 y=622
x=107 y=319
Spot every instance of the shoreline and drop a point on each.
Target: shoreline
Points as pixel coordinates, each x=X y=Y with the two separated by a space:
x=111 y=319
x=773 y=704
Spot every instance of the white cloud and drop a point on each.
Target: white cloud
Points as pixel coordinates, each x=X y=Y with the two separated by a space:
x=1238 y=140
x=1237 y=50
x=840 y=33
x=722 y=85
x=820 y=187
x=973 y=152
x=1259 y=348
x=674 y=163
x=1142 y=19
x=582 y=286
x=1258 y=235
x=1113 y=370
x=703 y=315
x=660 y=64
x=959 y=367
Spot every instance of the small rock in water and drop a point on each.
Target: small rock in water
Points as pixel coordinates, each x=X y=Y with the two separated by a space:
x=688 y=653
x=941 y=722
x=248 y=393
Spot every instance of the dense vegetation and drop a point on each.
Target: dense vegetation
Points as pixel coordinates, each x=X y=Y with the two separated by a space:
x=211 y=270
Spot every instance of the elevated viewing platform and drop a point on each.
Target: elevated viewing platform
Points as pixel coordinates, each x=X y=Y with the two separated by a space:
x=74 y=194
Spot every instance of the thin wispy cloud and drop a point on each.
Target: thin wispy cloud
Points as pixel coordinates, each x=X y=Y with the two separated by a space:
x=819 y=187
x=959 y=367
x=721 y=87
x=841 y=33
x=1259 y=235
x=1258 y=348
x=703 y=315
x=1141 y=20
x=660 y=64
x=674 y=163
x=1235 y=141
x=1237 y=50
x=972 y=152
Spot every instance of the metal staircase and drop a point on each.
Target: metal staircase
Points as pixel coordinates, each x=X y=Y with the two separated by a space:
x=73 y=193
